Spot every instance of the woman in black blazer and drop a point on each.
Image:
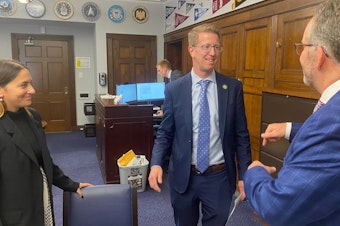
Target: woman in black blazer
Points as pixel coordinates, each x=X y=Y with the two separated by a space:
x=27 y=171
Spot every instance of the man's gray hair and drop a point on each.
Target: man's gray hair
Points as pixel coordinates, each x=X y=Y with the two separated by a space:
x=325 y=29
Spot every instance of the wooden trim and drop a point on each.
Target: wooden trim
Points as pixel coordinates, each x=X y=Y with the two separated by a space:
x=250 y=13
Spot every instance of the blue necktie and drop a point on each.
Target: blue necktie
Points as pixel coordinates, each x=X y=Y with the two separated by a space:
x=203 y=129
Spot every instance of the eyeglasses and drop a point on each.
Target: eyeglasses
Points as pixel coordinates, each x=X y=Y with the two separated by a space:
x=207 y=48
x=300 y=46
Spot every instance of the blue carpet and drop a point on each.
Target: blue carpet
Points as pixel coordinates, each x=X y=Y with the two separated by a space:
x=75 y=154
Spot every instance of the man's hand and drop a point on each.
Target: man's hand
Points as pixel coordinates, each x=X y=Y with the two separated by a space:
x=269 y=169
x=274 y=132
x=240 y=186
x=156 y=177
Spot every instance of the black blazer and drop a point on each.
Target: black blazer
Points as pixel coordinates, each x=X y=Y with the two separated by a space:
x=21 y=182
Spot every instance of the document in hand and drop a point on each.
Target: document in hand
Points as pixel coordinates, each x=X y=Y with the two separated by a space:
x=236 y=202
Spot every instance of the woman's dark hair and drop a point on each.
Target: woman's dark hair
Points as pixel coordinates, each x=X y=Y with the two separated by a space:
x=9 y=69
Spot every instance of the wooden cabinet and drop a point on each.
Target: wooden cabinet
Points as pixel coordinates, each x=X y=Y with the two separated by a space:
x=281 y=108
x=230 y=40
x=120 y=128
x=288 y=71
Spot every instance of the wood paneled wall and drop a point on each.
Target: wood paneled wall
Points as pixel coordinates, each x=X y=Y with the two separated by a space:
x=257 y=50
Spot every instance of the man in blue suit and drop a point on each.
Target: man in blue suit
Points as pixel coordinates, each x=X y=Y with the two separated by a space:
x=307 y=190
x=178 y=133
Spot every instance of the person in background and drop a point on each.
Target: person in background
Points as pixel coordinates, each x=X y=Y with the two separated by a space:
x=210 y=183
x=306 y=191
x=164 y=70
x=27 y=171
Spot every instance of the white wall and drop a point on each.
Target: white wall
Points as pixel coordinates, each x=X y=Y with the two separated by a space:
x=89 y=38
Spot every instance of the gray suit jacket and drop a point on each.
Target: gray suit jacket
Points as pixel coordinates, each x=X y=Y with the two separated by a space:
x=175 y=74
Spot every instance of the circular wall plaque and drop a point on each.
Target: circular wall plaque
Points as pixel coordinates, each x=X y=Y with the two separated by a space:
x=63 y=10
x=91 y=11
x=7 y=7
x=116 y=14
x=140 y=14
x=35 y=8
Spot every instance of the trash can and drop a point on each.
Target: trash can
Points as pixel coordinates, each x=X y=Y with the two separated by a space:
x=136 y=175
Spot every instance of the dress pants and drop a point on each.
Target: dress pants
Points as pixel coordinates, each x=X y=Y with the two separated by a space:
x=208 y=192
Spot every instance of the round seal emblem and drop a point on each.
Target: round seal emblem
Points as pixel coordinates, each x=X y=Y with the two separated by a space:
x=91 y=11
x=7 y=7
x=63 y=10
x=140 y=14
x=35 y=8
x=116 y=13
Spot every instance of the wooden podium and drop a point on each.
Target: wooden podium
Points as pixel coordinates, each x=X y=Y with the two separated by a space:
x=120 y=128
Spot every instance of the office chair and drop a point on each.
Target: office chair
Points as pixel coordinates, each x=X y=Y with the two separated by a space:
x=104 y=205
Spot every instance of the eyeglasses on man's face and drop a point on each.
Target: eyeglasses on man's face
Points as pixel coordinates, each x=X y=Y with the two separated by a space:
x=207 y=48
x=300 y=46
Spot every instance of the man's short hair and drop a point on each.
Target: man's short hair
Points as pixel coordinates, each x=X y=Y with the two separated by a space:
x=164 y=63
x=193 y=34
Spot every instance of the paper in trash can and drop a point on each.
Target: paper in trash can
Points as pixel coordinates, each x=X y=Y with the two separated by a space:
x=134 y=173
x=125 y=159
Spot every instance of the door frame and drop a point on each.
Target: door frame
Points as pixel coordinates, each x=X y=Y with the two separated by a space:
x=70 y=42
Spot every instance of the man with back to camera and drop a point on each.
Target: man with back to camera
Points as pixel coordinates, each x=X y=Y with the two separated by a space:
x=202 y=167
x=306 y=191
x=164 y=70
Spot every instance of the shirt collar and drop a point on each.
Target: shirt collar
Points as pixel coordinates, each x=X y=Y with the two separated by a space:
x=195 y=78
x=169 y=74
x=330 y=91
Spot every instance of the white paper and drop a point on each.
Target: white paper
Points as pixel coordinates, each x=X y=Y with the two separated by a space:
x=236 y=202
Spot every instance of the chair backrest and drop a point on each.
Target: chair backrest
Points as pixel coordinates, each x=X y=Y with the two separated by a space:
x=110 y=204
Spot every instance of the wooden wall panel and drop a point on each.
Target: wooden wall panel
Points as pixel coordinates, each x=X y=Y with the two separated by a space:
x=258 y=51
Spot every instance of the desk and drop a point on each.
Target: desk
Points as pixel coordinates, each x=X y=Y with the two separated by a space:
x=120 y=128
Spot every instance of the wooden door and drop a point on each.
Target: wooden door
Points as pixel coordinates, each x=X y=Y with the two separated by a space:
x=178 y=55
x=130 y=59
x=50 y=60
x=173 y=53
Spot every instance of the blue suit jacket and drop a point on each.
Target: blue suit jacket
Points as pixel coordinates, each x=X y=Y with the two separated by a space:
x=175 y=131
x=307 y=190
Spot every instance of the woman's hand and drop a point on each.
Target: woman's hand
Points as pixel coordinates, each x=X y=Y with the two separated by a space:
x=82 y=185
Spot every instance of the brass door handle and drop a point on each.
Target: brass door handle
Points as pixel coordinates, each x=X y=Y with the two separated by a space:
x=65 y=90
x=278 y=44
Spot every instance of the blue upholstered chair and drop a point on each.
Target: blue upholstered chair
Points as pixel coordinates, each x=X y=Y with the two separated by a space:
x=102 y=205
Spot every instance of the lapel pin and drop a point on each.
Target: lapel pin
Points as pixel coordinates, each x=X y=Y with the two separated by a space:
x=225 y=86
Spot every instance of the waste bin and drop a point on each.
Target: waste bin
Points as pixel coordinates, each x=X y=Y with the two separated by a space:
x=136 y=175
